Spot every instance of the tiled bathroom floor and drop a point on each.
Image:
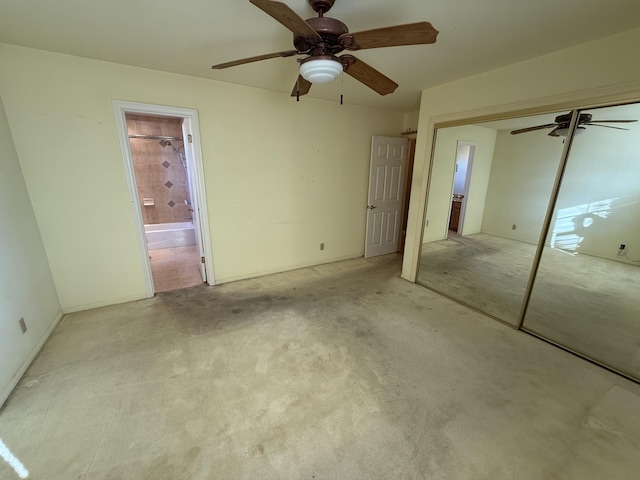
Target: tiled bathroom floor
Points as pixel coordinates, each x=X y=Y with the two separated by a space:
x=175 y=268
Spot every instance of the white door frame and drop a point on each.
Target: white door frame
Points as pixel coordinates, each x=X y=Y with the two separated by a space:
x=190 y=125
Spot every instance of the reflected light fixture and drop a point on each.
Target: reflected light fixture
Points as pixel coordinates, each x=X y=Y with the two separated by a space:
x=563 y=132
x=320 y=69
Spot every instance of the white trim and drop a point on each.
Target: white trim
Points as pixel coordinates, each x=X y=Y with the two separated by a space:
x=127 y=158
x=23 y=368
x=191 y=119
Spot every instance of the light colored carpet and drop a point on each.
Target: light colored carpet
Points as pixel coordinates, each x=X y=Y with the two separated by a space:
x=341 y=371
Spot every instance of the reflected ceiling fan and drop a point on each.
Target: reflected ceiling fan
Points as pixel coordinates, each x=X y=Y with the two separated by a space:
x=561 y=125
x=322 y=38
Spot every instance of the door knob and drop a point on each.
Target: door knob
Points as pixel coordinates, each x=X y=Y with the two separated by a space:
x=371 y=207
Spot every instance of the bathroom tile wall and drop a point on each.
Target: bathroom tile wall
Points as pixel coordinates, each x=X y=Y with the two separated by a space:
x=160 y=174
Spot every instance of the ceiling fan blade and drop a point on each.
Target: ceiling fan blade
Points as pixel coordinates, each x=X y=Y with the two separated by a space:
x=605 y=126
x=611 y=121
x=531 y=129
x=285 y=16
x=410 y=34
x=301 y=87
x=554 y=133
x=287 y=53
x=368 y=75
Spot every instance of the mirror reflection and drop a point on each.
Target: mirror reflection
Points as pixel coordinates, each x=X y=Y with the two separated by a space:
x=586 y=296
x=489 y=191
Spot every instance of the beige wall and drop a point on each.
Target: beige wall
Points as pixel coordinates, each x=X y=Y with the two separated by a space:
x=411 y=121
x=26 y=285
x=522 y=178
x=606 y=69
x=602 y=179
x=281 y=176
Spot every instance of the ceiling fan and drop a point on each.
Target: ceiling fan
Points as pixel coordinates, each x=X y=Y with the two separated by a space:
x=322 y=38
x=561 y=125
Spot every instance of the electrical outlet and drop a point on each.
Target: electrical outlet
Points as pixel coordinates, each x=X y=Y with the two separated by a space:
x=322 y=246
x=23 y=325
x=513 y=227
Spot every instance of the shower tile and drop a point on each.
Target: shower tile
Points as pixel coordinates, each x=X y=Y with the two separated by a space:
x=172 y=127
x=181 y=212
x=149 y=215
x=136 y=145
x=178 y=193
x=131 y=126
x=144 y=192
x=159 y=171
x=141 y=174
x=147 y=127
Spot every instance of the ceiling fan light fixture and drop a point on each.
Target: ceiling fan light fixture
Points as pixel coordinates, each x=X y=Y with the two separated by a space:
x=320 y=70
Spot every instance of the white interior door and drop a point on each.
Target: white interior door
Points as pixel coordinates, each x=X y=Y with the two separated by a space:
x=193 y=190
x=387 y=179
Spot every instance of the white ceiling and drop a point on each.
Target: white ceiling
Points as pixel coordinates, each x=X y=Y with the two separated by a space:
x=188 y=36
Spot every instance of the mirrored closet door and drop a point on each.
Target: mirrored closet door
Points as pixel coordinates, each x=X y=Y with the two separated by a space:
x=489 y=191
x=540 y=228
x=586 y=296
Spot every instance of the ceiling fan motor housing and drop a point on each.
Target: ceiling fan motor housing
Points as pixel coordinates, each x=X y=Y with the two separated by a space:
x=329 y=30
x=566 y=118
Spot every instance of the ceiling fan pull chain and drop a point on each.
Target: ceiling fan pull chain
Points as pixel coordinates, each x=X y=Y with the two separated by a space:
x=341 y=87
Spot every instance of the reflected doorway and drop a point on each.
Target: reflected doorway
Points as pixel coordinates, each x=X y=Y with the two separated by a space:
x=461 y=181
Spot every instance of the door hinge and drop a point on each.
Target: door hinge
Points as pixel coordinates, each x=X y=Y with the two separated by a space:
x=189 y=138
x=202 y=259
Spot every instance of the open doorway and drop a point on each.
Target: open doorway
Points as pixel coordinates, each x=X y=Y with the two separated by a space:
x=461 y=179
x=162 y=182
x=166 y=188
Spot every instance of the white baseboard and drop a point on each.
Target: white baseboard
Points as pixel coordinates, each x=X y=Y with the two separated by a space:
x=23 y=368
